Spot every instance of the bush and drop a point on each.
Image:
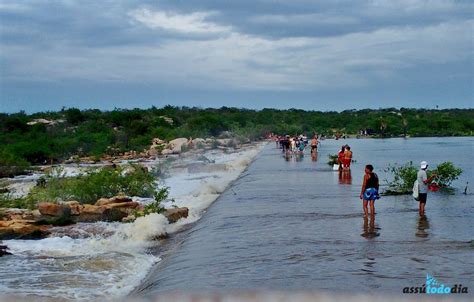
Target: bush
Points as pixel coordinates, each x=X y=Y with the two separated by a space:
x=404 y=177
x=333 y=159
x=11 y=164
x=446 y=173
x=133 y=180
x=155 y=206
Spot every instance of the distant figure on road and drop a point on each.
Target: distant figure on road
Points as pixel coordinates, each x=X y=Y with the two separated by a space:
x=423 y=182
x=370 y=189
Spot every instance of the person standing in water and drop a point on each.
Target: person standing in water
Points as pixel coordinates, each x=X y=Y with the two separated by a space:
x=423 y=182
x=314 y=144
x=370 y=190
x=340 y=158
x=347 y=158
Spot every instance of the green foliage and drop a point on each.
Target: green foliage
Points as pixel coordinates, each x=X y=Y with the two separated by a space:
x=6 y=201
x=446 y=173
x=11 y=164
x=94 y=132
x=132 y=180
x=404 y=177
x=155 y=206
x=333 y=159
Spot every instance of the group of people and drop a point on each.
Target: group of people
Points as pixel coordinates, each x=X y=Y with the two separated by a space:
x=370 y=185
x=370 y=189
x=296 y=144
x=344 y=158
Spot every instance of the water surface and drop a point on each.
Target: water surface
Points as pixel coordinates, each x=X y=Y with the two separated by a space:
x=297 y=225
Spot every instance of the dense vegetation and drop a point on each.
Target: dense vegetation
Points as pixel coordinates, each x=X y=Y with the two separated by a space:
x=95 y=132
x=405 y=175
x=87 y=188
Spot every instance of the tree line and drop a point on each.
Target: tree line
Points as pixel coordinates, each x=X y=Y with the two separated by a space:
x=46 y=137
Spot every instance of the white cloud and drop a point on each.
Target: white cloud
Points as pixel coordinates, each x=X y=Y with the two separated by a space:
x=241 y=61
x=181 y=23
x=304 y=19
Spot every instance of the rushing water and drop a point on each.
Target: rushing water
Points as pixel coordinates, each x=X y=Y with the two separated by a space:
x=297 y=225
x=108 y=260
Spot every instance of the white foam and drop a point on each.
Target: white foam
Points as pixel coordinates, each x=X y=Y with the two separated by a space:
x=115 y=260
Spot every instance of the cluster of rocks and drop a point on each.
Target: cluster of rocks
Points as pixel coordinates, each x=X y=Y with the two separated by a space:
x=160 y=147
x=27 y=224
x=180 y=145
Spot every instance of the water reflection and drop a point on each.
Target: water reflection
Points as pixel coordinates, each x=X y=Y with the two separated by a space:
x=369 y=229
x=314 y=155
x=423 y=225
x=345 y=177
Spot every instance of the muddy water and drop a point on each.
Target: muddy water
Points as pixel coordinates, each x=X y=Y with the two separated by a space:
x=297 y=225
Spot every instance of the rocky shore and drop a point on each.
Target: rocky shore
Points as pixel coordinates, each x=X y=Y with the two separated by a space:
x=27 y=224
x=37 y=224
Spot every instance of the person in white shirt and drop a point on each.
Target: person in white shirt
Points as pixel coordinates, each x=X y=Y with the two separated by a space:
x=423 y=182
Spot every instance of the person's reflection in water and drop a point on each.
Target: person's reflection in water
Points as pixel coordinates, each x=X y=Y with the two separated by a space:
x=369 y=228
x=345 y=177
x=423 y=225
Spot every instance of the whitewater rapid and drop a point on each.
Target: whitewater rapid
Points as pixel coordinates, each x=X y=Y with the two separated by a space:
x=108 y=260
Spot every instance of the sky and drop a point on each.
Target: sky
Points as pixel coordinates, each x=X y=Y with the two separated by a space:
x=314 y=55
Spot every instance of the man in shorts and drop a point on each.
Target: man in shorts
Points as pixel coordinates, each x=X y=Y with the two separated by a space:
x=423 y=182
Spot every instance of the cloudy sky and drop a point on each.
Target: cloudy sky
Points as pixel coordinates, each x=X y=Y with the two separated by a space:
x=321 y=55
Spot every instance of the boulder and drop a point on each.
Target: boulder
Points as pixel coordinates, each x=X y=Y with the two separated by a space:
x=167 y=152
x=18 y=214
x=122 y=205
x=226 y=142
x=92 y=213
x=198 y=143
x=115 y=199
x=3 y=250
x=153 y=152
x=75 y=207
x=175 y=214
x=54 y=209
x=157 y=142
x=177 y=144
x=22 y=229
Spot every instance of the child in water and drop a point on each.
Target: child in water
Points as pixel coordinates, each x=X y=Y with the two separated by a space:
x=370 y=190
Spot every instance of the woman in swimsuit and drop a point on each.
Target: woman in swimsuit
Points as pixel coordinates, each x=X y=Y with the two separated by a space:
x=347 y=158
x=370 y=190
x=340 y=158
x=314 y=144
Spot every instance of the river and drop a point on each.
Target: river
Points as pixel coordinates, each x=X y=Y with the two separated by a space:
x=297 y=225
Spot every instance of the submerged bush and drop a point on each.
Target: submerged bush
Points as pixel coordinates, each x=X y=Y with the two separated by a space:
x=333 y=159
x=155 y=206
x=404 y=177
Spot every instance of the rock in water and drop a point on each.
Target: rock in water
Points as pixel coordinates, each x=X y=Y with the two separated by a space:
x=3 y=250
x=175 y=214
x=177 y=144
x=54 y=209
x=115 y=199
x=22 y=229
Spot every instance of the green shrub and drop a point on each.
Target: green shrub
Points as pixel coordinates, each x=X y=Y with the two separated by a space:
x=132 y=180
x=333 y=159
x=155 y=206
x=446 y=173
x=404 y=177
x=11 y=164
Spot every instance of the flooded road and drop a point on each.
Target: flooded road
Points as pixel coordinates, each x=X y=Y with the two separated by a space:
x=297 y=225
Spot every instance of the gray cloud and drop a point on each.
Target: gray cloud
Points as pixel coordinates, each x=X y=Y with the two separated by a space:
x=289 y=46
